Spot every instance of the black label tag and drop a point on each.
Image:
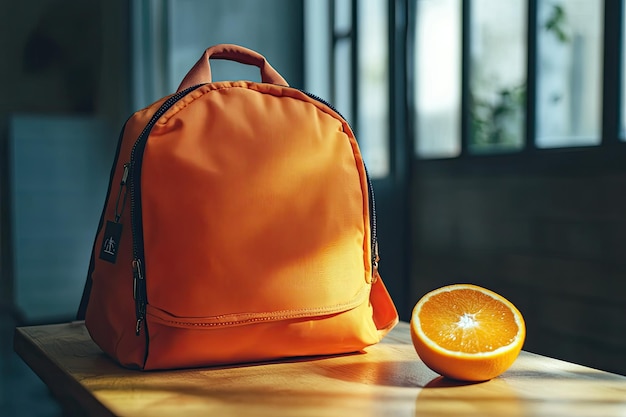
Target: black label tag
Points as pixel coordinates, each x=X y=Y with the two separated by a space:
x=111 y=241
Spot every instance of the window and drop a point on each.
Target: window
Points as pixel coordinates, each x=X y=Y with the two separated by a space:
x=342 y=58
x=569 y=73
x=437 y=86
x=373 y=85
x=355 y=78
x=493 y=77
x=497 y=75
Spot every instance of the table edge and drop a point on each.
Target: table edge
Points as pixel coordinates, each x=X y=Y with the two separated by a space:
x=73 y=397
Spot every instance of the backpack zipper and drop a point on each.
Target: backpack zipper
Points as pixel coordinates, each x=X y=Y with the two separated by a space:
x=136 y=157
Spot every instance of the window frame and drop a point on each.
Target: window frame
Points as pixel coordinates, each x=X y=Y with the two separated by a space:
x=609 y=153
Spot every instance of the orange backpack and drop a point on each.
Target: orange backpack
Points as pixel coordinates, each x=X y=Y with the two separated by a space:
x=238 y=226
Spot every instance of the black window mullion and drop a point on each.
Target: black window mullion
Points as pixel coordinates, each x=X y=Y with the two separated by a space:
x=331 y=52
x=611 y=73
x=354 y=64
x=401 y=143
x=466 y=120
x=531 y=78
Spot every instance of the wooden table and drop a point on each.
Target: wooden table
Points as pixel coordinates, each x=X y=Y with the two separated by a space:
x=388 y=379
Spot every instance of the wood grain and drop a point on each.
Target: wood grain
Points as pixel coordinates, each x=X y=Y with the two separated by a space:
x=386 y=379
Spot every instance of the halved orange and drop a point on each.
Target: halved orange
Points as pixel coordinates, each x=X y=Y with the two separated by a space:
x=467 y=332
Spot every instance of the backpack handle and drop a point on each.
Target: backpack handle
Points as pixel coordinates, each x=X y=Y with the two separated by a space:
x=201 y=72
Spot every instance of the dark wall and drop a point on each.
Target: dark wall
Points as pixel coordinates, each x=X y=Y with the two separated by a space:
x=60 y=58
x=548 y=233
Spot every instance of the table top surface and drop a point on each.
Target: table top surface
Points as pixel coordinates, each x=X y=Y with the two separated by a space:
x=385 y=379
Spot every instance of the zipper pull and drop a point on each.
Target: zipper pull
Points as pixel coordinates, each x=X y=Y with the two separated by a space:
x=125 y=174
x=138 y=327
x=139 y=295
x=375 y=260
x=113 y=230
x=123 y=189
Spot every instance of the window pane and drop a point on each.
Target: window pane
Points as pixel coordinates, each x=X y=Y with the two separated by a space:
x=437 y=86
x=373 y=91
x=497 y=75
x=569 y=73
x=342 y=93
x=342 y=52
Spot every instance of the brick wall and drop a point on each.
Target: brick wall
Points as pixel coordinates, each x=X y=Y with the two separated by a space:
x=552 y=241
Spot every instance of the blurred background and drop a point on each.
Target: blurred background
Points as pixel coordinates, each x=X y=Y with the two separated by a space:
x=495 y=132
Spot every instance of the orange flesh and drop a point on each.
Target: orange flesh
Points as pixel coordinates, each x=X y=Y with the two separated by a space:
x=470 y=322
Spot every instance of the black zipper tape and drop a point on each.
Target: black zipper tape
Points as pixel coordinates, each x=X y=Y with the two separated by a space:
x=136 y=158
